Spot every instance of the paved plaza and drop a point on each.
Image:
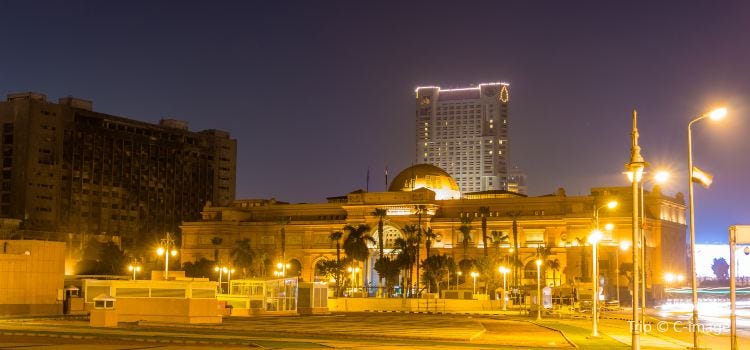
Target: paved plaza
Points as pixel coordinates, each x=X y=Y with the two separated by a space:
x=351 y=330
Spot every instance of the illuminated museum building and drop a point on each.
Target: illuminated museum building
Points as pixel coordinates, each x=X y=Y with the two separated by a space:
x=465 y=132
x=558 y=221
x=71 y=172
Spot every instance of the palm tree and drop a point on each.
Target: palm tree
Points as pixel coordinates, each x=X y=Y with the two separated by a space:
x=484 y=212
x=388 y=269
x=499 y=238
x=242 y=255
x=336 y=236
x=465 y=229
x=516 y=260
x=407 y=254
x=420 y=210
x=380 y=213
x=554 y=265
x=429 y=237
x=355 y=244
x=216 y=241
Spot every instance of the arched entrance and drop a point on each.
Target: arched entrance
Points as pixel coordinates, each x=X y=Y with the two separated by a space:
x=390 y=235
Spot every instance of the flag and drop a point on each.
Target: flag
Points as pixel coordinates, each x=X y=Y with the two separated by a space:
x=702 y=177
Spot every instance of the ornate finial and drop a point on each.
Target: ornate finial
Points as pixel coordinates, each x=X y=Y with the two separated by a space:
x=635 y=150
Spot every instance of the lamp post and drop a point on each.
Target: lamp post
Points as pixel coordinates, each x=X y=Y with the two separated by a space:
x=459 y=273
x=538 y=289
x=134 y=268
x=594 y=239
x=634 y=169
x=474 y=275
x=220 y=270
x=167 y=248
x=660 y=177
x=504 y=270
x=716 y=114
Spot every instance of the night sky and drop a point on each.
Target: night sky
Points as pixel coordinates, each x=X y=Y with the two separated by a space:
x=315 y=92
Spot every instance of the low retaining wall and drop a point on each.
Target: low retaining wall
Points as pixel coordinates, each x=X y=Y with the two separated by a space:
x=412 y=305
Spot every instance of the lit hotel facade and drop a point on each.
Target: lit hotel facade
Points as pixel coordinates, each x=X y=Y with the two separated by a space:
x=465 y=132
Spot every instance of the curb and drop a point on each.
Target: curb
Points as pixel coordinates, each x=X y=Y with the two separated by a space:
x=435 y=312
x=130 y=338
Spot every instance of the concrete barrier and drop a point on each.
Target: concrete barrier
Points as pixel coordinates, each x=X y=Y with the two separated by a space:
x=412 y=305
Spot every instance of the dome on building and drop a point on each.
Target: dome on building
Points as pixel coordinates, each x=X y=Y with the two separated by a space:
x=426 y=176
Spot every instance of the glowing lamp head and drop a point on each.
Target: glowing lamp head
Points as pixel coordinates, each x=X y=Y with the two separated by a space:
x=680 y=278
x=538 y=262
x=174 y=252
x=216 y=268
x=609 y=226
x=225 y=269
x=612 y=204
x=279 y=265
x=356 y=269
x=474 y=274
x=638 y=175
x=661 y=176
x=595 y=236
x=718 y=114
x=349 y=269
x=624 y=245
x=160 y=251
x=460 y=273
x=669 y=277
x=131 y=267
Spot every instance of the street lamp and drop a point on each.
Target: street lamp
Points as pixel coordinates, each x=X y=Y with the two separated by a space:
x=134 y=268
x=167 y=248
x=504 y=270
x=660 y=177
x=459 y=273
x=538 y=289
x=634 y=169
x=220 y=271
x=594 y=239
x=474 y=274
x=716 y=114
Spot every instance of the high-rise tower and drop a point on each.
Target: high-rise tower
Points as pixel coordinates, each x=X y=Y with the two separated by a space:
x=465 y=132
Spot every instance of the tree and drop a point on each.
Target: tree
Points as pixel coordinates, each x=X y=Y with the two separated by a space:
x=429 y=237
x=407 y=254
x=328 y=268
x=420 y=210
x=554 y=265
x=112 y=259
x=216 y=241
x=465 y=229
x=388 y=269
x=243 y=255
x=517 y=262
x=380 y=213
x=436 y=268
x=484 y=212
x=336 y=237
x=721 y=269
x=355 y=244
x=499 y=238
x=202 y=268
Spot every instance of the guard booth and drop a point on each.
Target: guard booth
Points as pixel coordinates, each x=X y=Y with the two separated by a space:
x=257 y=296
x=313 y=298
x=104 y=313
